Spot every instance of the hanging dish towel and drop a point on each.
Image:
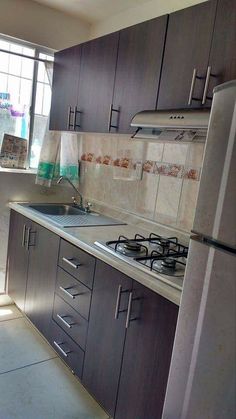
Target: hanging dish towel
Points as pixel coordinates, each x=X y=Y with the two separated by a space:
x=59 y=153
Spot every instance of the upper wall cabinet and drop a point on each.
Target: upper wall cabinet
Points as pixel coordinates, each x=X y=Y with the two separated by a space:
x=222 y=61
x=186 y=56
x=138 y=71
x=96 y=83
x=65 y=88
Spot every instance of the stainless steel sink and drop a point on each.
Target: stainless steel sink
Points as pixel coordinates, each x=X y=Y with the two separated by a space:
x=66 y=215
x=60 y=209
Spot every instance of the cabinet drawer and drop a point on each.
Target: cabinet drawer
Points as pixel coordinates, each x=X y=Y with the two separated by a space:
x=77 y=263
x=73 y=292
x=71 y=353
x=70 y=321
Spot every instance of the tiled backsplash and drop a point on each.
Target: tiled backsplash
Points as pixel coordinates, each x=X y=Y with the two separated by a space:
x=168 y=189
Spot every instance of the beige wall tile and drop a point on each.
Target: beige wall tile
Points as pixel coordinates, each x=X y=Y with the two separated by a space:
x=187 y=204
x=146 y=195
x=175 y=153
x=120 y=193
x=195 y=154
x=154 y=151
x=168 y=198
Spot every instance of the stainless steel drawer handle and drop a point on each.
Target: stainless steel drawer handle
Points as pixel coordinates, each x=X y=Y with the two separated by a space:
x=65 y=290
x=62 y=318
x=70 y=262
x=64 y=353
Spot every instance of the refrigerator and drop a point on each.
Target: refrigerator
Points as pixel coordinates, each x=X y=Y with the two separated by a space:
x=202 y=378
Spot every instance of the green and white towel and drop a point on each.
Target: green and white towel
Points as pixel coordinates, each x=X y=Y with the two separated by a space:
x=59 y=157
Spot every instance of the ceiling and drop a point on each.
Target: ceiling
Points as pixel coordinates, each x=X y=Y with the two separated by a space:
x=92 y=10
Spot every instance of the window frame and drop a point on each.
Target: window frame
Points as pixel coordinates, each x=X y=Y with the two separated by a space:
x=38 y=50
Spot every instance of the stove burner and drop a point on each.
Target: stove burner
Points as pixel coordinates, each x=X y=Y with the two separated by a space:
x=131 y=249
x=169 y=263
x=163 y=242
x=129 y=245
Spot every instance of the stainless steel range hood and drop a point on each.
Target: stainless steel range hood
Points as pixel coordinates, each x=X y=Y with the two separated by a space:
x=178 y=125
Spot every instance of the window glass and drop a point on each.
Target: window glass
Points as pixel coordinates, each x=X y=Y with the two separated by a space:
x=16 y=86
x=42 y=109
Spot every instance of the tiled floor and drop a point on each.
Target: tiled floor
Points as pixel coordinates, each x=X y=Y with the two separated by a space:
x=34 y=382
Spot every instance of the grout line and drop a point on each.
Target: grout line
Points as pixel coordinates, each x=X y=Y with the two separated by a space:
x=28 y=365
x=8 y=320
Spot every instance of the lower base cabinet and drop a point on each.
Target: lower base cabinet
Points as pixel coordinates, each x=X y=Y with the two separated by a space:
x=147 y=354
x=41 y=282
x=129 y=346
x=115 y=334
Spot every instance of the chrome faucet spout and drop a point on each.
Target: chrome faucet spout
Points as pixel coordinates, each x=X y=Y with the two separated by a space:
x=75 y=189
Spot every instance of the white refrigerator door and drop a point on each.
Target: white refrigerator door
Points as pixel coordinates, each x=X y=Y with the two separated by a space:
x=215 y=215
x=202 y=379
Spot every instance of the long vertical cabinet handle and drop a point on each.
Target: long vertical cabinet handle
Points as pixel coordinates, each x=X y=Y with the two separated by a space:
x=69 y=125
x=23 y=236
x=75 y=125
x=27 y=238
x=192 y=86
x=208 y=75
x=129 y=310
x=118 y=302
x=109 y=125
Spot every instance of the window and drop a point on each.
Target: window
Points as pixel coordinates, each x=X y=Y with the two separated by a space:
x=25 y=94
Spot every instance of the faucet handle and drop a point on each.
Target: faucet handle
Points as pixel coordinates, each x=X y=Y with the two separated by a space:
x=88 y=207
x=74 y=200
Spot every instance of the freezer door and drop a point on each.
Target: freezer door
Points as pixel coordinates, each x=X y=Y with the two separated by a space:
x=202 y=379
x=216 y=205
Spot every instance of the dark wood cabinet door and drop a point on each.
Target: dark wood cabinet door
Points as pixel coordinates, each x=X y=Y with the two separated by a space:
x=17 y=260
x=222 y=60
x=44 y=247
x=96 y=83
x=65 y=88
x=106 y=335
x=147 y=355
x=187 y=48
x=138 y=70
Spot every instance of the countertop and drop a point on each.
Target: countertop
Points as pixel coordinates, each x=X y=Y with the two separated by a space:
x=84 y=238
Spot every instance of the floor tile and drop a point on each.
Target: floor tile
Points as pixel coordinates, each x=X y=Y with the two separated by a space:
x=9 y=312
x=21 y=345
x=46 y=391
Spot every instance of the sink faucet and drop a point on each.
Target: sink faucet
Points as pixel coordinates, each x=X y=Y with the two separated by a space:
x=81 y=206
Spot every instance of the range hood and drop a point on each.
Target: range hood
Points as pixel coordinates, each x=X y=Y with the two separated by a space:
x=176 y=125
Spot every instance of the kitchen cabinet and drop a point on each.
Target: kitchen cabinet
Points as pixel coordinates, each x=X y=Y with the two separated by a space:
x=114 y=333
x=42 y=269
x=222 y=61
x=106 y=335
x=127 y=358
x=187 y=49
x=18 y=258
x=138 y=71
x=65 y=89
x=96 y=83
x=147 y=354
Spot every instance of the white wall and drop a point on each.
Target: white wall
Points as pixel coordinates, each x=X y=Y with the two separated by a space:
x=139 y=14
x=30 y=21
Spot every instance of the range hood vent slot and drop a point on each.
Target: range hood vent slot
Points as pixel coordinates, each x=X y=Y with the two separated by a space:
x=171 y=125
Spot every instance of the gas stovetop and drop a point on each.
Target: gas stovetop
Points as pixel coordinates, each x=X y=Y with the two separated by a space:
x=161 y=257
